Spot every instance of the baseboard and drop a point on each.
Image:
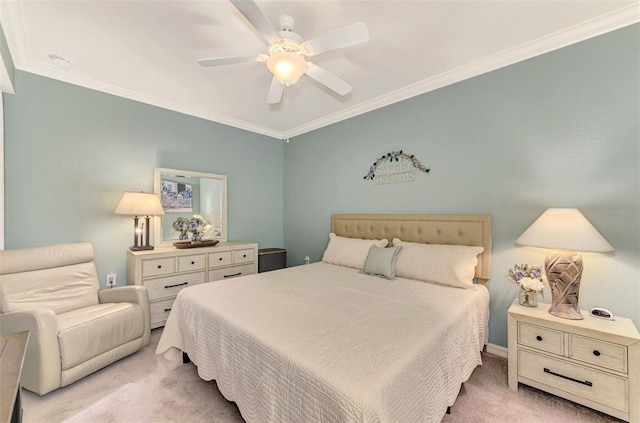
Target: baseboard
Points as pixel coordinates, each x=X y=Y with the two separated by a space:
x=497 y=350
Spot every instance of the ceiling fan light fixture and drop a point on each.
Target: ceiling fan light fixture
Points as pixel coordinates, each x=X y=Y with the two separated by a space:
x=287 y=67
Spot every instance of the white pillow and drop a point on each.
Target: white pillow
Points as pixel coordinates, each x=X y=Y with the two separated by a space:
x=452 y=265
x=349 y=252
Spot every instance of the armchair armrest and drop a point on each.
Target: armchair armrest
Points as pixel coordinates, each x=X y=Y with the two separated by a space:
x=130 y=294
x=42 y=368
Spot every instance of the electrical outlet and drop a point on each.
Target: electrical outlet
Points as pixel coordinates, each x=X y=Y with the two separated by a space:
x=111 y=280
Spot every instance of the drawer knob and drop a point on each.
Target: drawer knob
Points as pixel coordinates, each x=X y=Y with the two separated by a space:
x=244 y=255
x=596 y=353
x=159 y=266
x=539 y=338
x=193 y=262
x=167 y=309
x=220 y=259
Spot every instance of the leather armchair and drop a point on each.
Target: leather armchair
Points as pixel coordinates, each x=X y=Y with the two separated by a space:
x=75 y=329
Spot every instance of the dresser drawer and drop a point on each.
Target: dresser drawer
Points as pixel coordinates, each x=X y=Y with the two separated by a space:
x=543 y=339
x=231 y=272
x=170 y=286
x=591 y=384
x=243 y=256
x=600 y=353
x=189 y=263
x=158 y=267
x=159 y=311
x=222 y=258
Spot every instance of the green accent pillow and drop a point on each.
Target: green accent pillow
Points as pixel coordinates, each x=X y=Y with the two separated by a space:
x=381 y=262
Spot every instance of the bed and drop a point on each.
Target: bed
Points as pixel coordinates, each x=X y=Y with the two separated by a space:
x=325 y=342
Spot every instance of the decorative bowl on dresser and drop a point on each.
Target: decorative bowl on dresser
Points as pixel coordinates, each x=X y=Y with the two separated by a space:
x=593 y=362
x=165 y=271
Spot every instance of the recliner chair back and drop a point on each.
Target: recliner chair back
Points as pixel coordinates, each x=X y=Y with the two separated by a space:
x=61 y=279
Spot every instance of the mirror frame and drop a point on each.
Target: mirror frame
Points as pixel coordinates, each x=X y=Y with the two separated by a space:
x=157 y=221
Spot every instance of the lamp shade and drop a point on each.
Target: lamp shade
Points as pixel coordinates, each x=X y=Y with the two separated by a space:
x=139 y=204
x=287 y=67
x=564 y=229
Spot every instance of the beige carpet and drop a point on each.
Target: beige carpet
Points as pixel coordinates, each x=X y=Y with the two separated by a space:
x=146 y=387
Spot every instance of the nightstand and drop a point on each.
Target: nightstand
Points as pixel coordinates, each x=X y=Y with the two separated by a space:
x=271 y=259
x=593 y=362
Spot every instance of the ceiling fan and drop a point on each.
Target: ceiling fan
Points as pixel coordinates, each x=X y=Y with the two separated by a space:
x=286 y=58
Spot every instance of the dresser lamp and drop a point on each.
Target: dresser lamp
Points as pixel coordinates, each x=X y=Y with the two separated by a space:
x=140 y=204
x=565 y=232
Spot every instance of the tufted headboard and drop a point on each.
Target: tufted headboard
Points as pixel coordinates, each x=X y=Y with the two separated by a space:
x=452 y=229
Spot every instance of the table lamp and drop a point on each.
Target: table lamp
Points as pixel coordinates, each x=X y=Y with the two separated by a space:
x=140 y=204
x=567 y=230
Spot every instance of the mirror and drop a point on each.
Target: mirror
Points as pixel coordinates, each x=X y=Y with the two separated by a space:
x=184 y=194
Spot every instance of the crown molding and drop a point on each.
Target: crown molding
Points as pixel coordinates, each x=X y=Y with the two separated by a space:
x=50 y=71
x=617 y=19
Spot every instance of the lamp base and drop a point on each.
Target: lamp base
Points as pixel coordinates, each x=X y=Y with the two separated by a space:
x=564 y=270
x=141 y=248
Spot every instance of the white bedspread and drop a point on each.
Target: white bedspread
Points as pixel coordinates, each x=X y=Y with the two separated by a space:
x=325 y=343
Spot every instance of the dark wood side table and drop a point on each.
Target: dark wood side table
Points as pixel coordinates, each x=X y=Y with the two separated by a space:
x=271 y=259
x=12 y=351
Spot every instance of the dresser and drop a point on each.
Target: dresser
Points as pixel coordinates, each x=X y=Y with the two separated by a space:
x=594 y=362
x=165 y=271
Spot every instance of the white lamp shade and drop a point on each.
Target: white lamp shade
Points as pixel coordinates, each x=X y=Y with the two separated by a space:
x=564 y=229
x=140 y=204
x=287 y=67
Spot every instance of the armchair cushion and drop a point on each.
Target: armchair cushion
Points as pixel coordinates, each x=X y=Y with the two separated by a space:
x=90 y=331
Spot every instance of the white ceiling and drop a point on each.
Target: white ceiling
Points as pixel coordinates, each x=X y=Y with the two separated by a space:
x=147 y=50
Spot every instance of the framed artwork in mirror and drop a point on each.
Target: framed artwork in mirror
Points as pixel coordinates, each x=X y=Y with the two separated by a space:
x=185 y=195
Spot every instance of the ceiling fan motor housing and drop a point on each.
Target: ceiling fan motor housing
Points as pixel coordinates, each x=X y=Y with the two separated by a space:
x=286 y=23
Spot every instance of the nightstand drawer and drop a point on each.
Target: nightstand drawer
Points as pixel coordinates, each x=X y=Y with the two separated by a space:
x=158 y=267
x=220 y=259
x=189 y=263
x=591 y=384
x=231 y=272
x=600 y=353
x=170 y=286
x=243 y=256
x=540 y=338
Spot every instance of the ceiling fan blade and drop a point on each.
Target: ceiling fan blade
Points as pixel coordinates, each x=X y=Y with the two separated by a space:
x=254 y=15
x=220 y=61
x=347 y=36
x=275 y=92
x=328 y=79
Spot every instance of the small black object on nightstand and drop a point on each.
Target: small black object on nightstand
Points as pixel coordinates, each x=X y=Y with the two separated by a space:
x=271 y=259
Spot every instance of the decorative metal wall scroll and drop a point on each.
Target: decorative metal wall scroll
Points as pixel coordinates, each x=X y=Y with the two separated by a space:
x=394 y=168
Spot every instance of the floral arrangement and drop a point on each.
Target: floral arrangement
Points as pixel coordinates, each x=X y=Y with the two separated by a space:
x=197 y=225
x=395 y=156
x=528 y=277
x=181 y=225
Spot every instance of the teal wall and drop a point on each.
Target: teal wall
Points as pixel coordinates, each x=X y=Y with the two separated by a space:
x=559 y=130
x=71 y=152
